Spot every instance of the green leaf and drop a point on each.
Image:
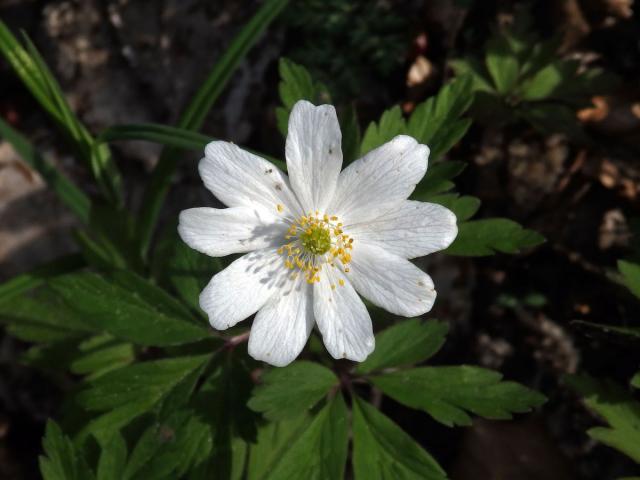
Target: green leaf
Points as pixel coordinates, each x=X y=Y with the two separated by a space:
x=543 y=83
x=437 y=123
x=321 y=451
x=185 y=269
x=473 y=68
x=195 y=113
x=631 y=275
x=551 y=118
x=133 y=310
x=101 y=354
x=406 y=343
x=464 y=207
x=502 y=64
x=382 y=450
x=447 y=393
x=222 y=403
x=479 y=238
x=291 y=390
x=391 y=123
x=70 y=195
x=112 y=458
x=617 y=407
x=438 y=179
x=42 y=318
x=131 y=391
x=273 y=440
x=61 y=461
x=635 y=381
x=30 y=280
x=296 y=84
x=169 y=448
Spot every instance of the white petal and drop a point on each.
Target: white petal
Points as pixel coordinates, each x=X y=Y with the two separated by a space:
x=342 y=317
x=379 y=181
x=241 y=179
x=414 y=229
x=282 y=327
x=218 y=232
x=243 y=288
x=391 y=282
x=314 y=153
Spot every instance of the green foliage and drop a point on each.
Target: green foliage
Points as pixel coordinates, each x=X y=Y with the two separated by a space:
x=131 y=391
x=169 y=448
x=382 y=450
x=488 y=236
x=370 y=36
x=296 y=84
x=36 y=76
x=631 y=275
x=438 y=179
x=635 y=381
x=112 y=458
x=523 y=78
x=447 y=393
x=464 y=206
x=435 y=122
x=292 y=390
x=321 y=451
x=617 y=407
x=194 y=115
x=61 y=460
x=406 y=343
x=273 y=440
x=127 y=307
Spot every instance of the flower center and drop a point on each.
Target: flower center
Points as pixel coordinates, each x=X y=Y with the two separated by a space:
x=316 y=241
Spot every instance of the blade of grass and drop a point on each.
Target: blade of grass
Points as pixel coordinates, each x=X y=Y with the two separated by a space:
x=168 y=136
x=36 y=76
x=194 y=116
x=98 y=157
x=69 y=194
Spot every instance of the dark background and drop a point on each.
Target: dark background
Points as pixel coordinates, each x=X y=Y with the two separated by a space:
x=126 y=61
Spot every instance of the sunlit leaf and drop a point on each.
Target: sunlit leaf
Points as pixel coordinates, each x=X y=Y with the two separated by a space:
x=382 y=450
x=502 y=64
x=321 y=451
x=274 y=439
x=296 y=84
x=289 y=391
x=464 y=207
x=631 y=275
x=406 y=343
x=131 y=309
x=449 y=393
x=617 y=407
x=478 y=238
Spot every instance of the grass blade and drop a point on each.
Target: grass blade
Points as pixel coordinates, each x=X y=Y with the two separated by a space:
x=68 y=193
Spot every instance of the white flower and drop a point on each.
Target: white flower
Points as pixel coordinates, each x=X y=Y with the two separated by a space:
x=315 y=238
